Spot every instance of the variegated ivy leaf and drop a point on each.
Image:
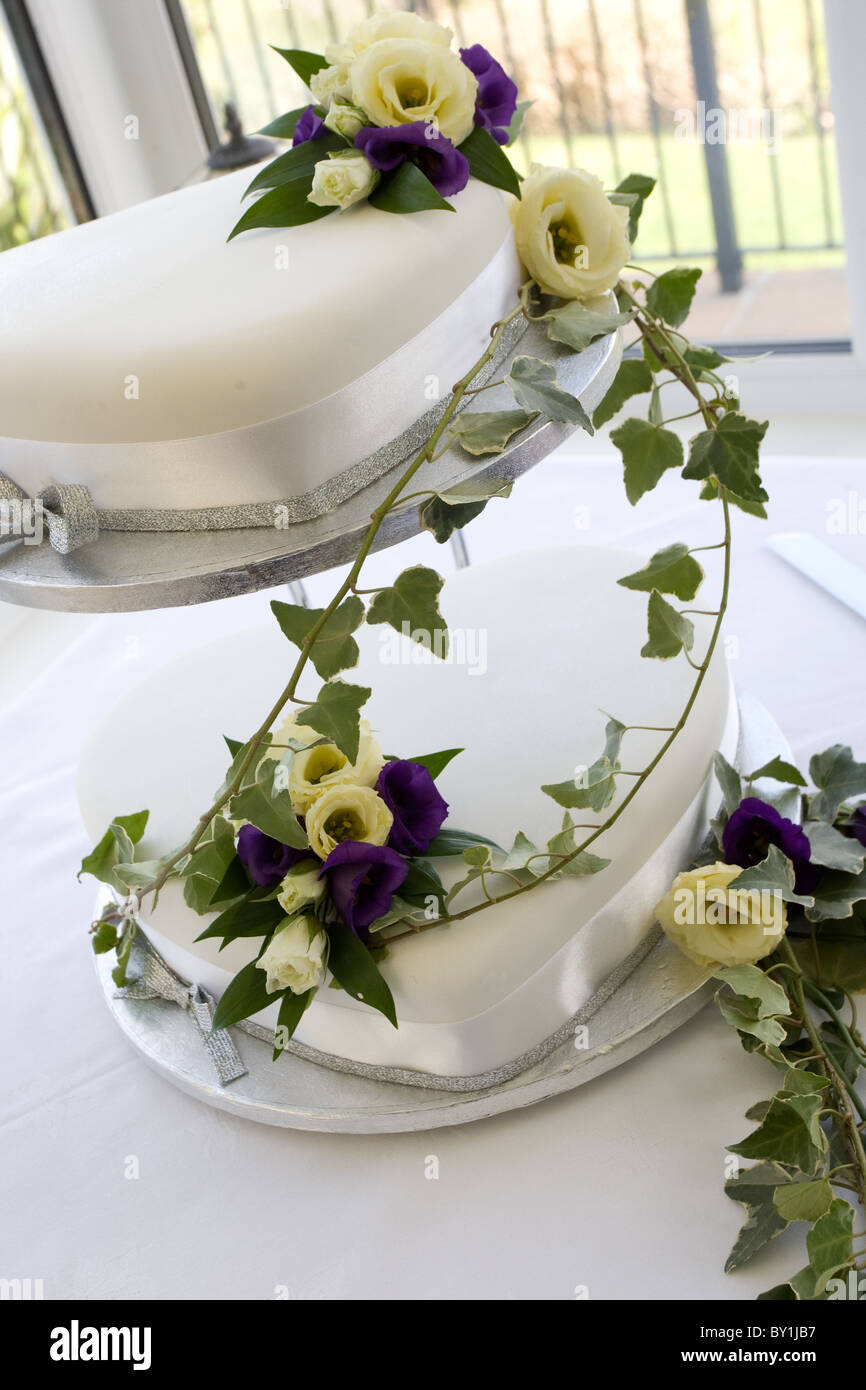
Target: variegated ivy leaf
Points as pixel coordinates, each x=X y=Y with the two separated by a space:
x=638 y=187
x=779 y=771
x=117 y=846
x=833 y=850
x=517 y=120
x=577 y=326
x=205 y=869
x=755 y=1189
x=336 y=713
x=670 y=295
x=521 y=853
x=334 y=648
x=754 y=985
x=838 y=778
x=668 y=631
x=564 y=843
x=775 y=874
x=592 y=787
x=729 y=453
x=648 y=451
x=803 y=1201
x=730 y=782
x=487 y=432
x=671 y=570
x=449 y=511
x=267 y=805
x=534 y=386
x=411 y=606
x=830 y=1243
x=790 y=1133
x=634 y=378
x=837 y=895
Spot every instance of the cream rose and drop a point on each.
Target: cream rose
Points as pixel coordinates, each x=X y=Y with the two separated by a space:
x=400 y=80
x=342 y=180
x=295 y=957
x=346 y=120
x=331 y=84
x=347 y=813
x=397 y=25
x=571 y=238
x=301 y=886
x=315 y=769
x=716 y=925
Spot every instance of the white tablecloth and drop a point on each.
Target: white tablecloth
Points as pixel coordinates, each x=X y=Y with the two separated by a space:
x=616 y=1187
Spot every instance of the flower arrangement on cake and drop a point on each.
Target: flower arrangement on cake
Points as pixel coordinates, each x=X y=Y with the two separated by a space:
x=323 y=849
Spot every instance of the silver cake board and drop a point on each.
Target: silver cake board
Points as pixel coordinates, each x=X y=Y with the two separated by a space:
x=662 y=992
x=125 y=572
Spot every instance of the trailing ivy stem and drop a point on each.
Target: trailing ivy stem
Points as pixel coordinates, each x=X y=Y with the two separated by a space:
x=377 y=517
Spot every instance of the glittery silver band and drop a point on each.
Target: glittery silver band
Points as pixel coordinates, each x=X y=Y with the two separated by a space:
x=73 y=520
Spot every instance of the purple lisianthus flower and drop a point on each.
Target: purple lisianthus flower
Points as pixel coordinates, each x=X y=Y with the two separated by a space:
x=410 y=794
x=754 y=827
x=266 y=861
x=496 y=102
x=388 y=146
x=309 y=127
x=857 y=824
x=362 y=880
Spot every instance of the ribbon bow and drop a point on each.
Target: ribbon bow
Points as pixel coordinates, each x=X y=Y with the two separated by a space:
x=157 y=981
x=67 y=508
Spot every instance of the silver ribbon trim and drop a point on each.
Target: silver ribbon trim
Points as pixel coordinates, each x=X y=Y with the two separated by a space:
x=157 y=981
x=73 y=520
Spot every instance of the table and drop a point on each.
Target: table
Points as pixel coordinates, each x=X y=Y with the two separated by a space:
x=117 y=1186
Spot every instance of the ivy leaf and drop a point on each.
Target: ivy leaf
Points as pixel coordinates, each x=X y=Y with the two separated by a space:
x=789 y=1133
x=836 y=896
x=775 y=874
x=447 y=512
x=670 y=295
x=454 y=842
x=244 y=996
x=647 y=451
x=296 y=165
x=702 y=358
x=292 y=1009
x=234 y=746
x=838 y=778
x=830 y=1242
x=102 y=860
x=534 y=386
x=754 y=1188
x=357 y=973
x=488 y=431
x=671 y=570
x=669 y=632
x=336 y=713
x=516 y=126
x=842 y=959
x=411 y=606
x=407 y=190
x=753 y=984
x=252 y=917
x=641 y=185
x=304 y=63
x=803 y=1201
x=779 y=771
x=730 y=453
x=436 y=762
x=281 y=207
x=833 y=850
x=104 y=938
x=488 y=162
x=730 y=782
x=634 y=378
x=269 y=807
x=206 y=866
x=564 y=843
x=334 y=648
x=134 y=825
x=577 y=326
x=593 y=787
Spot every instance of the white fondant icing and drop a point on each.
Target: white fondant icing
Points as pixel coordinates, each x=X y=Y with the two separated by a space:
x=551 y=640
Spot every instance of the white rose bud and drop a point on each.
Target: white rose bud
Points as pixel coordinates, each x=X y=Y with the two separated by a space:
x=347 y=813
x=346 y=120
x=295 y=957
x=342 y=180
x=713 y=924
x=570 y=237
x=301 y=886
x=398 y=25
x=318 y=767
x=331 y=84
x=400 y=80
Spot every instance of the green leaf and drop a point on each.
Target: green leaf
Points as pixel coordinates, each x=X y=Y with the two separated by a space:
x=669 y=632
x=292 y=1009
x=411 y=606
x=104 y=938
x=836 y=896
x=593 y=787
x=454 y=842
x=304 y=63
x=448 y=511
x=134 y=825
x=584 y=863
x=779 y=771
x=838 y=778
x=421 y=883
x=269 y=807
x=671 y=570
x=670 y=295
x=730 y=782
x=252 y=917
x=830 y=1242
x=633 y=379
x=408 y=190
x=577 y=326
x=747 y=1018
x=703 y=358
x=730 y=453
x=839 y=1052
x=101 y=860
x=789 y=1133
x=296 y=165
x=803 y=1201
x=754 y=1188
x=534 y=386
x=647 y=452
x=833 y=850
x=842 y=959
x=336 y=713
x=233 y=745
x=234 y=884
x=354 y=969
x=488 y=431
x=281 y=207
x=754 y=984
x=283 y=127
x=436 y=762
x=517 y=120
x=641 y=185
x=334 y=648
x=489 y=162
x=775 y=874
x=244 y=996
x=800 y=1082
